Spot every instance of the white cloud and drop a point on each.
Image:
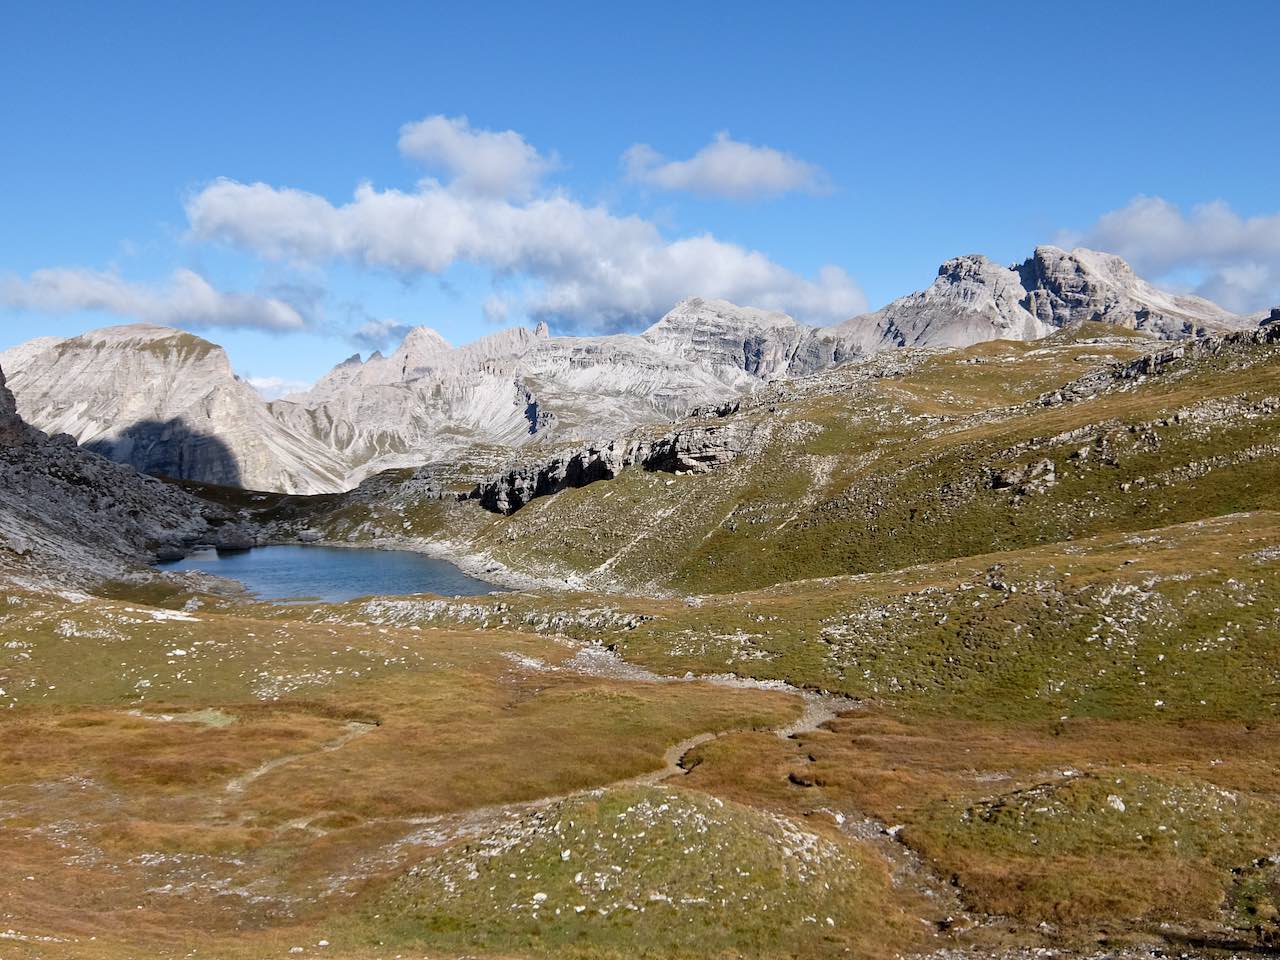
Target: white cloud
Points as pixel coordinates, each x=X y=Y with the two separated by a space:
x=495 y=309
x=188 y=300
x=725 y=168
x=483 y=162
x=1237 y=258
x=380 y=334
x=272 y=388
x=587 y=267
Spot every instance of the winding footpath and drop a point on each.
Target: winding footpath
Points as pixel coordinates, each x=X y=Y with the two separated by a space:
x=440 y=830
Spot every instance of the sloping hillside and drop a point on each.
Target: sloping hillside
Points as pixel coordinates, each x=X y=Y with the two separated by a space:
x=899 y=459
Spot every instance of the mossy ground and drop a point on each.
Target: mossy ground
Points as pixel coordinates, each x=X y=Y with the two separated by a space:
x=603 y=873
x=1179 y=622
x=1097 y=845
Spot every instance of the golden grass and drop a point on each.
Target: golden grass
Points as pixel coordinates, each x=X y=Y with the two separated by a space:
x=264 y=778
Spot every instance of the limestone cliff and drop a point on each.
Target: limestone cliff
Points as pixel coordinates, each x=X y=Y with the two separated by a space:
x=71 y=516
x=167 y=403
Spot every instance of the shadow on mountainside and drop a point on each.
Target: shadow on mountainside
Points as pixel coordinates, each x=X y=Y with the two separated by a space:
x=173 y=449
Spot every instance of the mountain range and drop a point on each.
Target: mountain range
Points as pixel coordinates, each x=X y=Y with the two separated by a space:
x=168 y=402
x=928 y=652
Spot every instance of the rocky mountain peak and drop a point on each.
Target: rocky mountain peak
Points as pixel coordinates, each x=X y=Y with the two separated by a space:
x=423 y=339
x=692 y=313
x=972 y=267
x=721 y=334
x=167 y=402
x=972 y=299
x=420 y=346
x=153 y=340
x=1070 y=287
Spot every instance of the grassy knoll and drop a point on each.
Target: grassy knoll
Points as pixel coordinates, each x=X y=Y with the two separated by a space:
x=604 y=874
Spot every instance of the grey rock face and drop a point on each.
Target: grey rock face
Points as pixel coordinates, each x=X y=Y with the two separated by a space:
x=765 y=345
x=429 y=401
x=74 y=516
x=728 y=338
x=167 y=403
x=972 y=300
x=8 y=407
x=695 y=448
x=1065 y=288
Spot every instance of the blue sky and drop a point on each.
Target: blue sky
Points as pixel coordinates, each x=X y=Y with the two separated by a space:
x=858 y=147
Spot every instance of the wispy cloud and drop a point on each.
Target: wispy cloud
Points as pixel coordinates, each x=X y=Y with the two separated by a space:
x=725 y=168
x=187 y=300
x=272 y=388
x=380 y=334
x=1237 y=258
x=586 y=266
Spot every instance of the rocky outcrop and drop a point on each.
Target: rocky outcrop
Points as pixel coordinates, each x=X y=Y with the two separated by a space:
x=9 y=420
x=1163 y=362
x=69 y=515
x=1025 y=479
x=14 y=432
x=694 y=448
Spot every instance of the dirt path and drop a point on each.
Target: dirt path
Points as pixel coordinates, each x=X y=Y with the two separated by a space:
x=354 y=730
x=443 y=829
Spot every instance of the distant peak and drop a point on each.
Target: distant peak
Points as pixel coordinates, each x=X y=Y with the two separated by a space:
x=1048 y=250
x=420 y=338
x=697 y=312
x=970 y=266
x=157 y=340
x=1096 y=260
x=138 y=331
x=542 y=331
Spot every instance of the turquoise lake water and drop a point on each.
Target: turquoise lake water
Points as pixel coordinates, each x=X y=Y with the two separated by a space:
x=333 y=574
